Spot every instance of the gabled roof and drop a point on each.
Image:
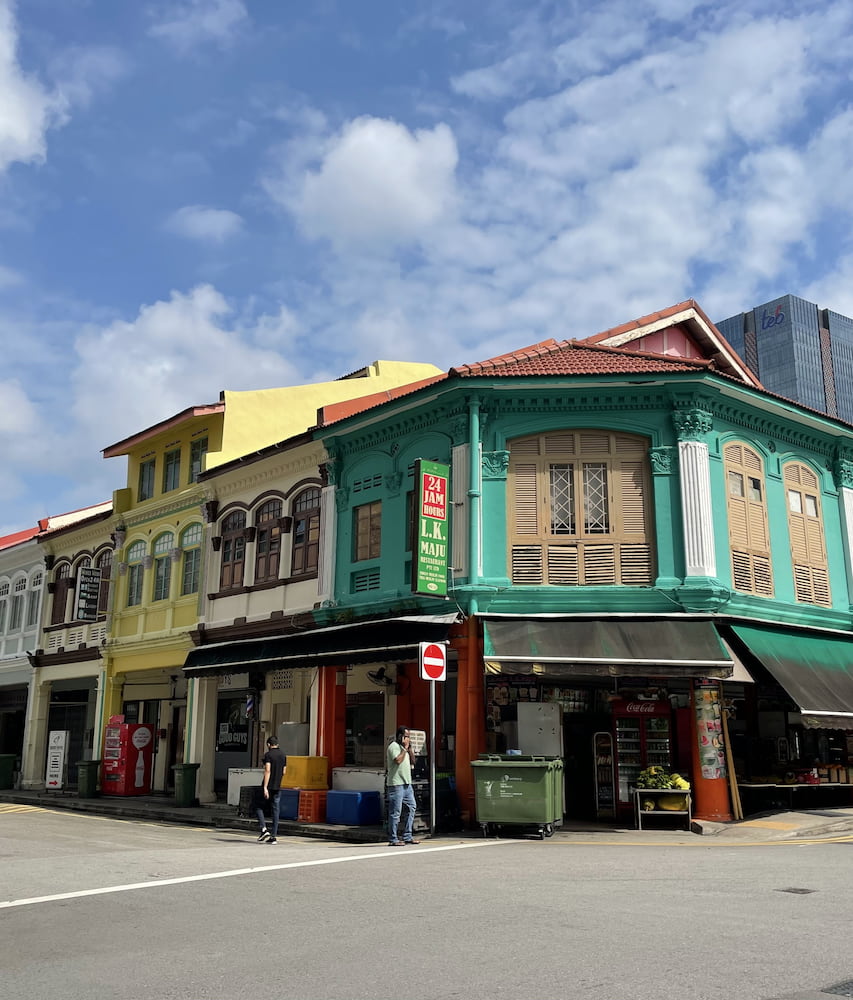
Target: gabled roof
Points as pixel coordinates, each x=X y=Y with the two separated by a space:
x=695 y=324
x=575 y=357
x=333 y=412
x=75 y=518
x=126 y=444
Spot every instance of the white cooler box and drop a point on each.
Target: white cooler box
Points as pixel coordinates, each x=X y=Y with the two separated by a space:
x=239 y=776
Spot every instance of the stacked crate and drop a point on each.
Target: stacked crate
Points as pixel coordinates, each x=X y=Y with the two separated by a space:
x=309 y=776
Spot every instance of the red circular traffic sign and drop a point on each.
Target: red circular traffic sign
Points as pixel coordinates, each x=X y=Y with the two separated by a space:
x=433 y=661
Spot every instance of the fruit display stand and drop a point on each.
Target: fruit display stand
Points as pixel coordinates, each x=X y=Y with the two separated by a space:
x=655 y=795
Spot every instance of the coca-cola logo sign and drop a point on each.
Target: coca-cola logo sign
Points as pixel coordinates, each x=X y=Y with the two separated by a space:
x=643 y=707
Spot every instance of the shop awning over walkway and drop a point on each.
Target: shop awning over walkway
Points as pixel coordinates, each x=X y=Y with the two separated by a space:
x=815 y=670
x=608 y=647
x=388 y=640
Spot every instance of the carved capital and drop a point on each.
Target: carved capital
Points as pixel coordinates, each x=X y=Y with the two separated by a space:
x=662 y=461
x=495 y=464
x=459 y=430
x=693 y=424
x=342 y=498
x=842 y=471
x=393 y=481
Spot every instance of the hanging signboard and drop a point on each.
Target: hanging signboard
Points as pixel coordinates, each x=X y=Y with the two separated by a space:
x=429 y=560
x=57 y=742
x=88 y=593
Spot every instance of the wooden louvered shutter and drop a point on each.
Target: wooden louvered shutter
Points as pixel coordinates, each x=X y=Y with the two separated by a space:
x=525 y=502
x=808 y=548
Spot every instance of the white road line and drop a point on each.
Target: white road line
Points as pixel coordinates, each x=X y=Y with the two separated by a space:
x=383 y=855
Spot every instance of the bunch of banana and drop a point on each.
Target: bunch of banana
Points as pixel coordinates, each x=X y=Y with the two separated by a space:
x=676 y=781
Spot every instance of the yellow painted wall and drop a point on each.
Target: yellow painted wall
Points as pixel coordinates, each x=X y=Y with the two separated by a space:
x=267 y=416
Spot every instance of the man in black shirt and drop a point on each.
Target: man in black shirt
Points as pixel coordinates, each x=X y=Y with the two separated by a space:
x=275 y=764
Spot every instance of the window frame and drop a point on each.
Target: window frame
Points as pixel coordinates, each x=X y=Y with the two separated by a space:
x=162 y=566
x=806 y=535
x=61 y=586
x=198 y=449
x=748 y=522
x=172 y=470
x=305 y=536
x=147 y=479
x=135 y=574
x=191 y=559
x=268 y=541
x=367 y=531
x=233 y=550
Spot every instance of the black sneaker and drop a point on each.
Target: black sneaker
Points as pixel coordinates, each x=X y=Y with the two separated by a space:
x=263 y=835
x=272 y=840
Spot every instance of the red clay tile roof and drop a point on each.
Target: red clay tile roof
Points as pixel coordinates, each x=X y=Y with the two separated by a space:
x=349 y=407
x=573 y=357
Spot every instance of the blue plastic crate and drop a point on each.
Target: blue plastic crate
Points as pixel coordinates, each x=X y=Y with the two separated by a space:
x=288 y=803
x=354 y=808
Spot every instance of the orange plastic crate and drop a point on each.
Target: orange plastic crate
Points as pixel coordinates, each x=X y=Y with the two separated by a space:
x=312 y=806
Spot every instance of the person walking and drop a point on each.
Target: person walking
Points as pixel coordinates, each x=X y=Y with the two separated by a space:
x=275 y=765
x=399 y=759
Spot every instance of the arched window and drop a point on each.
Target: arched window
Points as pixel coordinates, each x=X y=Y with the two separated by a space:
x=61 y=585
x=4 y=605
x=749 y=537
x=267 y=541
x=135 y=569
x=233 y=550
x=104 y=562
x=191 y=546
x=805 y=528
x=34 y=599
x=16 y=615
x=163 y=546
x=579 y=509
x=306 y=532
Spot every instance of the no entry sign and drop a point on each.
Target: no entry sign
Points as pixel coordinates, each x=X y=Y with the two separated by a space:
x=433 y=661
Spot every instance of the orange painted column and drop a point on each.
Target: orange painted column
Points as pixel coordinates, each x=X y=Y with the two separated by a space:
x=464 y=778
x=332 y=716
x=710 y=786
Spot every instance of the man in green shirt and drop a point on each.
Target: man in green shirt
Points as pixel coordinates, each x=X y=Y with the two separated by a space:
x=399 y=758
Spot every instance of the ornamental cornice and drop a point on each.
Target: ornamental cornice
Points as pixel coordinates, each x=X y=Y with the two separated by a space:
x=251 y=482
x=762 y=425
x=842 y=471
x=162 y=511
x=382 y=437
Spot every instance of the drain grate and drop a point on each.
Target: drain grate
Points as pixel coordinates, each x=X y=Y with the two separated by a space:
x=841 y=990
x=798 y=892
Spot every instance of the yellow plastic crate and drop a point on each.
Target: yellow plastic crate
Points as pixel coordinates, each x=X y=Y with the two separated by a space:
x=306 y=772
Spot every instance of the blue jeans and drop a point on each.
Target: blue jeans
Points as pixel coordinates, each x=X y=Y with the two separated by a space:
x=275 y=806
x=399 y=796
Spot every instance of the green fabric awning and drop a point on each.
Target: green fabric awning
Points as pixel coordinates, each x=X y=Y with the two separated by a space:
x=609 y=647
x=387 y=640
x=815 y=670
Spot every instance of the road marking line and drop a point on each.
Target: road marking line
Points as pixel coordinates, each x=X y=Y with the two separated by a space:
x=396 y=853
x=702 y=842
x=768 y=824
x=18 y=809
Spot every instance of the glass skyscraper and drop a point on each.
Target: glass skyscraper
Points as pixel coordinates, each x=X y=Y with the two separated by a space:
x=799 y=351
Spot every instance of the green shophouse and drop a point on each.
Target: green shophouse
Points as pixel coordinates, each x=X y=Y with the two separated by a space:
x=649 y=553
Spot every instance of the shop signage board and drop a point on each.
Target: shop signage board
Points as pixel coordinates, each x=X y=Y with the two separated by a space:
x=433 y=661
x=430 y=558
x=88 y=592
x=57 y=744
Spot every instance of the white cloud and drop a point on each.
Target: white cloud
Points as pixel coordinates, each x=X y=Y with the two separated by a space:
x=83 y=72
x=379 y=185
x=27 y=109
x=199 y=22
x=174 y=354
x=208 y=225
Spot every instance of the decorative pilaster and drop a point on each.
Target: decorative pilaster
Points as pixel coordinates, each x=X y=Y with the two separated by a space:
x=696 y=513
x=692 y=424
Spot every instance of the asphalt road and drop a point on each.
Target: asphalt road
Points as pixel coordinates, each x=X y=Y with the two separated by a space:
x=95 y=907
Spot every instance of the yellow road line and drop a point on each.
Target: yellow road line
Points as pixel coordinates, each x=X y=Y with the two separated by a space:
x=701 y=842
x=11 y=807
x=769 y=824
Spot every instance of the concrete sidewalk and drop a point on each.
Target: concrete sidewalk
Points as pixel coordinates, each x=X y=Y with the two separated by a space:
x=817 y=824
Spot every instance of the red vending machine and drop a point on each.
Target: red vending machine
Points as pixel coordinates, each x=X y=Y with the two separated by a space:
x=128 y=758
x=643 y=736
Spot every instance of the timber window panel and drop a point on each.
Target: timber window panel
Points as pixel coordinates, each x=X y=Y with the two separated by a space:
x=163 y=545
x=749 y=536
x=367 y=531
x=146 y=479
x=305 y=544
x=172 y=470
x=233 y=549
x=805 y=529
x=268 y=541
x=104 y=562
x=16 y=614
x=135 y=570
x=61 y=586
x=580 y=510
x=191 y=568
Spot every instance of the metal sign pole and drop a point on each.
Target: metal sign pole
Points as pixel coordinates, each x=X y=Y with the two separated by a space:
x=432 y=758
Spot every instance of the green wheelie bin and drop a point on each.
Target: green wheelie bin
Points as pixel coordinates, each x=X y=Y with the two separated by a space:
x=518 y=791
x=185 y=777
x=7 y=769
x=87 y=778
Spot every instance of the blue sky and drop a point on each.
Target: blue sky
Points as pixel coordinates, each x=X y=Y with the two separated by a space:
x=207 y=194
